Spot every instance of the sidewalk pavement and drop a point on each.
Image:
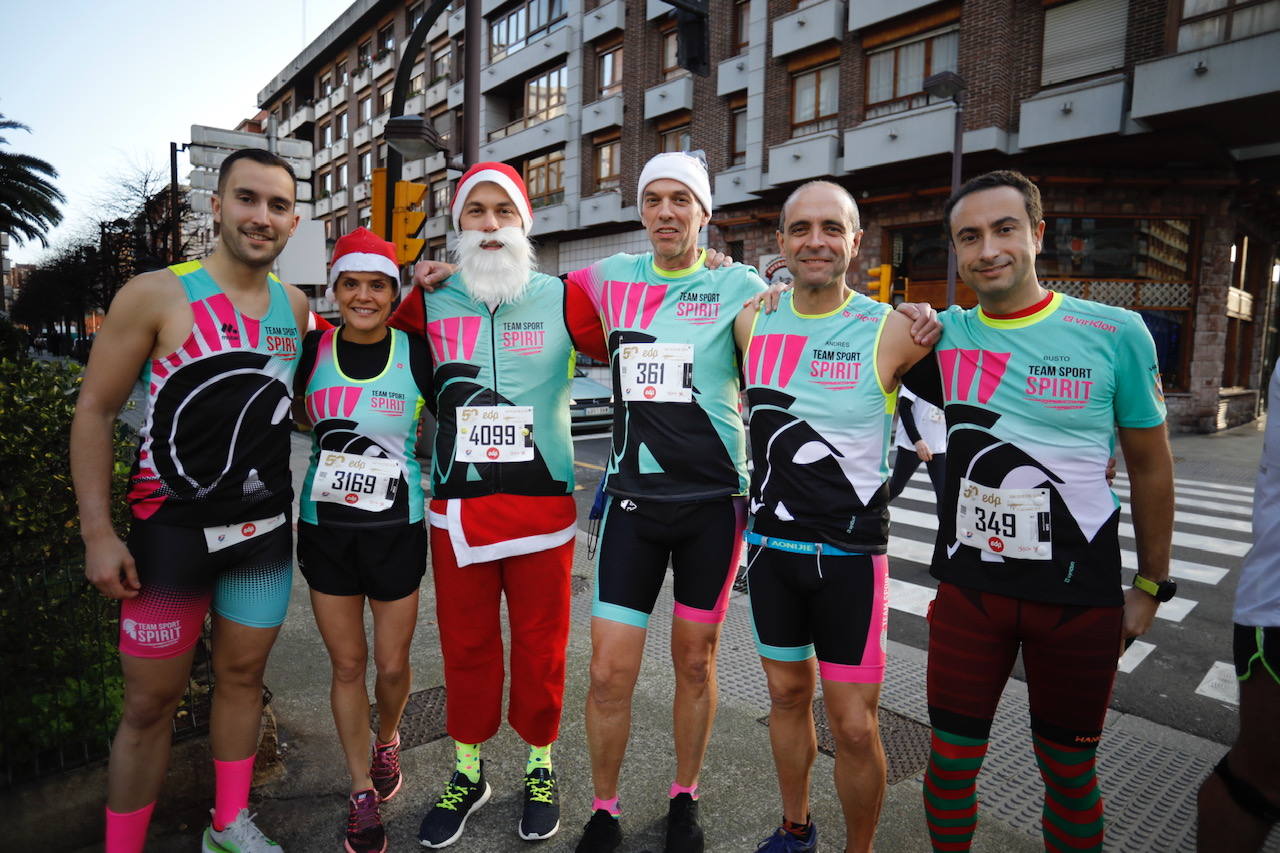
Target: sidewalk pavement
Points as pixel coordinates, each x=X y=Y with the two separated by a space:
x=1149 y=773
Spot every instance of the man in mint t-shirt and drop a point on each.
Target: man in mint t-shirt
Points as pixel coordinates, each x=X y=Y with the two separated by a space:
x=1036 y=385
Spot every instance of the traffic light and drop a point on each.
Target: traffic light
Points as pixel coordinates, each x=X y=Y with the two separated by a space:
x=693 y=36
x=378 y=211
x=406 y=223
x=881 y=284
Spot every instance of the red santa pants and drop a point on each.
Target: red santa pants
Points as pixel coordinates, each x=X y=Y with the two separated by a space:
x=468 y=609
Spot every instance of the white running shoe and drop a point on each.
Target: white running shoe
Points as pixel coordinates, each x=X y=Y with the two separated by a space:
x=241 y=836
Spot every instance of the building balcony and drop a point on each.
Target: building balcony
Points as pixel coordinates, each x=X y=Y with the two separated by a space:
x=864 y=13
x=437 y=93
x=1063 y=113
x=383 y=62
x=736 y=185
x=339 y=148
x=922 y=132
x=304 y=190
x=415 y=105
x=305 y=114
x=336 y=100
x=361 y=79
x=457 y=20
x=603 y=208
x=732 y=75
x=487 y=6
x=437 y=162
x=1220 y=74
x=606 y=112
x=551 y=219
x=380 y=122
x=656 y=9
x=362 y=135
x=516 y=139
x=412 y=170
x=439 y=28
x=456 y=94
x=323 y=156
x=605 y=18
x=361 y=190
x=807 y=26
x=516 y=65
x=435 y=226
x=323 y=206
x=804 y=159
x=339 y=199
x=668 y=97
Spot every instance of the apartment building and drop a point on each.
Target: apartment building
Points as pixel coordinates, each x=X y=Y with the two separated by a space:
x=1144 y=121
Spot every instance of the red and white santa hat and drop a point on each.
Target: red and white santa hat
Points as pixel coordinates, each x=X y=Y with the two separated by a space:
x=363 y=251
x=502 y=175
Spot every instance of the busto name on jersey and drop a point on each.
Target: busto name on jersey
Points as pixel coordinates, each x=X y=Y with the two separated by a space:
x=1060 y=381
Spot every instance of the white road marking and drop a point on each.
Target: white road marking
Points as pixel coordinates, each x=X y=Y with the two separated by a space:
x=910 y=597
x=1220 y=683
x=1135 y=655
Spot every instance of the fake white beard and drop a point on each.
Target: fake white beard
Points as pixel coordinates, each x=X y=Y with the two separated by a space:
x=492 y=276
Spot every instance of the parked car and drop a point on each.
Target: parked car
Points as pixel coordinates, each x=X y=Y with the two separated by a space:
x=592 y=404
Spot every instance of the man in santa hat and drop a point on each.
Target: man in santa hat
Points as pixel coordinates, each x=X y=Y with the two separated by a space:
x=503 y=519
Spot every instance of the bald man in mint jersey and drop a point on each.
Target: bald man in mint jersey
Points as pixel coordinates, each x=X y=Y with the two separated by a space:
x=1037 y=385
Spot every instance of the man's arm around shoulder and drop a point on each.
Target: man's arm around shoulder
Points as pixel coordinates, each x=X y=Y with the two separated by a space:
x=124 y=343
x=897 y=352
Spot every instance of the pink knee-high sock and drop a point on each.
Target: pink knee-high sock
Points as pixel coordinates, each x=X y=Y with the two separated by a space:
x=231 y=790
x=127 y=832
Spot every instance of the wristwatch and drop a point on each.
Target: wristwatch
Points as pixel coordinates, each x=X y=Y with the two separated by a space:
x=1159 y=590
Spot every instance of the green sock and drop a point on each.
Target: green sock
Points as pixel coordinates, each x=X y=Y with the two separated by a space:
x=539 y=756
x=467 y=760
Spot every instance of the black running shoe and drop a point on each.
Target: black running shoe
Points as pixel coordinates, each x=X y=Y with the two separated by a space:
x=541 y=817
x=602 y=834
x=443 y=825
x=684 y=835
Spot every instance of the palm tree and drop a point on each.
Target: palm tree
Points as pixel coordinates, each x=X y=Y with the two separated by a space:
x=28 y=202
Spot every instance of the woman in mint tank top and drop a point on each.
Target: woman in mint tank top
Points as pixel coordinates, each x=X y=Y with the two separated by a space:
x=361 y=534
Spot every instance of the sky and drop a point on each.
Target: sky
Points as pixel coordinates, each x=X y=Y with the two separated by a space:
x=106 y=85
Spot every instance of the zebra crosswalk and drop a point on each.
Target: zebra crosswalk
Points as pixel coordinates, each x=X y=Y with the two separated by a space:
x=1211 y=535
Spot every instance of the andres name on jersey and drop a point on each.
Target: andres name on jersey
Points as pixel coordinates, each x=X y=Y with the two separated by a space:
x=698 y=307
x=524 y=338
x=282 y=341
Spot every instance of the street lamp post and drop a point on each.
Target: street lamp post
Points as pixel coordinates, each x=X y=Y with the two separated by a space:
x=399 y=91
x=943 y=85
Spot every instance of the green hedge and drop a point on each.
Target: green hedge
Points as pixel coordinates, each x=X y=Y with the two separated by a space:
x=60 y=683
